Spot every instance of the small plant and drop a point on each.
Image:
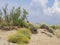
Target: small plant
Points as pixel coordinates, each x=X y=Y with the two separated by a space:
x=25 y=32
x=22 y=36
x=22 y=44
x=43 y=26
x=58 y=26
x=54 y=27
x=51 y=30
x=18 y=38
x=33 y=29
x=12 y=38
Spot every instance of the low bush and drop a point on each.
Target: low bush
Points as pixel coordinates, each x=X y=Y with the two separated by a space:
x=58 y=26
x=51 y=30
x=12 y=38
x=48 y=28
x=22 y=44
x=37 y=26
x=22 y=36
x=54 y=27
x=43 y=26
x=18 y=38
x=25 y=32
x=33 y=28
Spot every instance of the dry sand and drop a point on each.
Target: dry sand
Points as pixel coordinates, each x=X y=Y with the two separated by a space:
x=3 y=37
x=43 y=39
x=36 y=39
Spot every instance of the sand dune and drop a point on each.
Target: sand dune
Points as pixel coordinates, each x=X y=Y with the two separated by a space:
x=44 y=39
x=3 y=37
x=41 y=38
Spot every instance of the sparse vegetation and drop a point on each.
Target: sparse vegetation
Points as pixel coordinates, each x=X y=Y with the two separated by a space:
x=33 y=29
x=53 y=27
x=44 y=26
x=24 y=31
x=14 y=17
x=48 y=28
x=22 y=36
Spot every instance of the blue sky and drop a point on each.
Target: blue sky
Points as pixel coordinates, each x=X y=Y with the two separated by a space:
x=40 y=11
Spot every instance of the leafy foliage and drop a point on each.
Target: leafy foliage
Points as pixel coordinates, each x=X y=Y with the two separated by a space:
x=14 y=17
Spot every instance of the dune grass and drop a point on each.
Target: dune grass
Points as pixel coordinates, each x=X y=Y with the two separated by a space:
x=22 y=36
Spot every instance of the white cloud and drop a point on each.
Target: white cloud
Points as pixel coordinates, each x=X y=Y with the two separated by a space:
x=39 y=2
x=50 y=10
x=54 y=9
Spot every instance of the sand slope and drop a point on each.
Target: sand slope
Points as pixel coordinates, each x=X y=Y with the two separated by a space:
x=3 y=37
x=44 y=39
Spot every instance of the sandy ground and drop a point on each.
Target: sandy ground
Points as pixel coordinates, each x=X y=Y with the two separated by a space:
x=44 y=39
x=36 y=39
x=3 y=37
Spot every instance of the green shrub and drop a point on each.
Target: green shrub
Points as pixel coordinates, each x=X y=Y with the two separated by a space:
x=58 y=26
x=22 y=36
x=24 y=31
x=54 y=27
x=44 y=26
x=37 y=26
x=48 y=28
x=51 y=30
x=22 y=44
x=33 y=28
x=12 y=38
x=18 y=38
